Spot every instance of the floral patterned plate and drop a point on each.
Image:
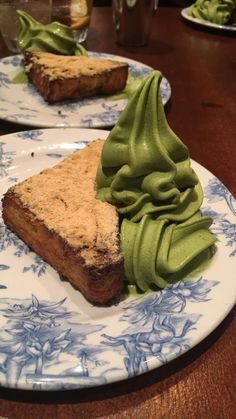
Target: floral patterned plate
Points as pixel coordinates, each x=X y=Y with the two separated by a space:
x=21 y=103
x=51 y=338
x=206 y=23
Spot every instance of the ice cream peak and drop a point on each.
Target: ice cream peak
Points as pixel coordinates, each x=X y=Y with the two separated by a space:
x=215 y=11
x=145 y=172
x=53 y=37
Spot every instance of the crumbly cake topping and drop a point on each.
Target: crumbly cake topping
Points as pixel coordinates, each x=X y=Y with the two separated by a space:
x=64 y=198
x=61 y=66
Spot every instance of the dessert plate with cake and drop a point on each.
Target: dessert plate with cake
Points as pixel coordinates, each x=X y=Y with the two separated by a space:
x=52 y=337
x=228 y=27
x=22 y=103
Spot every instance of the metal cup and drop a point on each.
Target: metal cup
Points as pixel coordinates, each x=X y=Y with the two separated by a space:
x=133 y=19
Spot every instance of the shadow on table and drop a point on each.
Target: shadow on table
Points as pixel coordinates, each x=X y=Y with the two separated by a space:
x=123 y=387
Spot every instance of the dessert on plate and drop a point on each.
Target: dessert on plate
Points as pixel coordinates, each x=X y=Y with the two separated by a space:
x=124 y=209
x=220 y=12
x=60 y=77
x=60 y=68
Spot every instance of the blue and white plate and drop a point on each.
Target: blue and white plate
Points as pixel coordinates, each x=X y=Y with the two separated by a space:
x=206 y=23
x=21 y=103
x=51 y=338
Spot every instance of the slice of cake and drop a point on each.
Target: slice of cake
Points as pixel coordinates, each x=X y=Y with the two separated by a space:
x=69 y=214
x=57 y=214
x=60 y=77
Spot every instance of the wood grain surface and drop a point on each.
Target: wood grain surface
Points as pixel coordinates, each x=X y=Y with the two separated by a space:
x=200 y=65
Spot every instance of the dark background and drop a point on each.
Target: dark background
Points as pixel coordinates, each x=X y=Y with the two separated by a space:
x=180 y=3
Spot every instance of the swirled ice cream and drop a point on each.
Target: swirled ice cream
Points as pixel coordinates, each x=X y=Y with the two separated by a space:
x=215 y=11
x=145 y=171
x=53 y=37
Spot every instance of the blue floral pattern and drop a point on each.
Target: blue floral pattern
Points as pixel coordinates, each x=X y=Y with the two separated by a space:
x=6 y=158
x=15 y=61
x=4 y=80
x=38 y=333
x=215 y=192
x=33 y=135
x=19 y=249
x=51 y=338
x=158 y=325
x=22 y=103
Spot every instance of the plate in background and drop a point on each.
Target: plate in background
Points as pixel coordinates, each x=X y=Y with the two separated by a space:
x=22 y=104
x=185 y=15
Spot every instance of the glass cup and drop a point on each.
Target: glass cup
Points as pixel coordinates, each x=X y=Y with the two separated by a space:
x=133 y=21
x=9 y=22
x=73 y=13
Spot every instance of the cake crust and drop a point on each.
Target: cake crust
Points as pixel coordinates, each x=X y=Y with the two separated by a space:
x=58 y=77
x=56 y=213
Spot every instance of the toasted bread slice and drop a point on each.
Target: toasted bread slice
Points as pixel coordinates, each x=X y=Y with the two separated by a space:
x=57 y=214
x=59 y=77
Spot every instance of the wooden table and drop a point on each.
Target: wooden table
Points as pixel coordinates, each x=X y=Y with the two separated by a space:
x=201 y=68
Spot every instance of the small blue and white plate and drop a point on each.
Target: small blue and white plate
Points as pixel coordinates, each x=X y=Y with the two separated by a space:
x=21 y=103
x=206 y=23
x=51 y=338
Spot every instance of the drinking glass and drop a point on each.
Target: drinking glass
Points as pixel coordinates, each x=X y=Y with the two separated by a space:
x=74 y=13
